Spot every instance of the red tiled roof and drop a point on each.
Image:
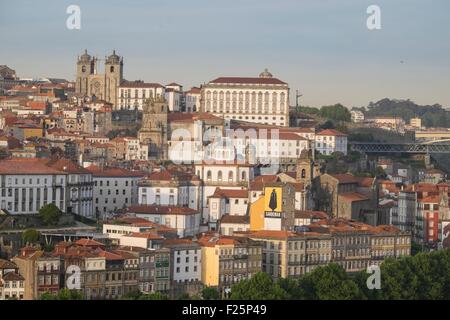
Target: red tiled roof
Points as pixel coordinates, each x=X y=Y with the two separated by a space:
x=331 y=132
x=230 y=193
x=260 y=181
x=353 y=196
x=247 y=80
x=430 y=199
x=305 y=214
x=235 y=219
x=109 y=255
x=190 y=116
x=68 y=166
x=114 y=172
x=89 y=243
x=13 y=276
x=27 y=166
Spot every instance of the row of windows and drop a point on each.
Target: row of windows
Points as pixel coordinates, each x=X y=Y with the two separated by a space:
x=13 y=284
x=186 y=269
x=116 y=183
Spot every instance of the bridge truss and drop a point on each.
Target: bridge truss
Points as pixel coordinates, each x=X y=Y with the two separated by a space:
x=414 y=148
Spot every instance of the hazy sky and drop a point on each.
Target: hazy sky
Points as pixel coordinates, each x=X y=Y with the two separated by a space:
x=321 y=47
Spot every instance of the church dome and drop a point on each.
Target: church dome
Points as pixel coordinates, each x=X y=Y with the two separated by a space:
x=265 y=74
x=85 y=57
x=113 y=59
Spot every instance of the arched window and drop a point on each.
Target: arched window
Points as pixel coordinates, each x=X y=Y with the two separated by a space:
x=303 y=173
x=230 y=176
x=243 y=176
x=83 y=69
x=208 y=175
x=111 y=69
x=219 y=176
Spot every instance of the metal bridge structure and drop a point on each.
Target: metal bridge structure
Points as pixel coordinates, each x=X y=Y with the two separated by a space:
x=429 y=147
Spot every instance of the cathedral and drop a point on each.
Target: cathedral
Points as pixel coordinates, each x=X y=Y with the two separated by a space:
x=103 y=86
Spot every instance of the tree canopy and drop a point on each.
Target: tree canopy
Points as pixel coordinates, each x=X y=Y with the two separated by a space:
x=260 y=286
x=31 y=236
x=50 y=214
x=63 y=294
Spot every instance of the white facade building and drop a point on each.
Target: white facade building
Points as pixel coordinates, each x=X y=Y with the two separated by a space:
x=192 y=100
x=114 y=189
x=329 y=141
x=29 y=184
x=186 y=260
x=133 y=94
x=357 y=116
x=261 y=100
x=185 y=221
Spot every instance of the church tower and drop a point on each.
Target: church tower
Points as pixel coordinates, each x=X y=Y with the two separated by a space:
x=86 y=66
x=113 y=77
x=154 y=127
x=307 y=170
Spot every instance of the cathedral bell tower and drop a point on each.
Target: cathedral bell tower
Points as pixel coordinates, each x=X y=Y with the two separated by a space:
x=113 y=77
x=86 y=66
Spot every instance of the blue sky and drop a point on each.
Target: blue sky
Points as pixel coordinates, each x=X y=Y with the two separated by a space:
x=321 y=47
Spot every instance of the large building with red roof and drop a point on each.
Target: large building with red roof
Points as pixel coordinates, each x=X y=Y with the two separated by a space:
x=262 y=99
x=30 y=183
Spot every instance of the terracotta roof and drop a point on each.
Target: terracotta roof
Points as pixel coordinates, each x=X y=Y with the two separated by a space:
x=109 y=255
x=305 y=214
x=68 y=166
x=13 y=276
x=194 y=90
x=430 y=199
x=260 y=181
x=5 y=264
x=181 y=241
x=230 y=193
x=345 y=178
x=331 y=132
x=353 y=196
x=246 y=80
x=155 y=209
x=365 y=182
x=211 y=240
x=114 y=172
x=24 y=166
x=290 y=136
x=191 y=116
x=235 y=219
x=89 y=243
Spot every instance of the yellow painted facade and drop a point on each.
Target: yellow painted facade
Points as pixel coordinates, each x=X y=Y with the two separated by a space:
x=257 y=214
x=210 y=266
x=32 y=132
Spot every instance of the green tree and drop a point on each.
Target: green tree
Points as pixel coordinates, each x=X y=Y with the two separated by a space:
x=210 y=293
x=154 y=296
x=330 y=282
x=63 y=294
x=50 y=214
x=259 y=287
x=335 y=112
x=31 y=236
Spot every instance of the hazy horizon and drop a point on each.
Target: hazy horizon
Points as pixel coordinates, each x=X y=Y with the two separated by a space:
x=320 y=47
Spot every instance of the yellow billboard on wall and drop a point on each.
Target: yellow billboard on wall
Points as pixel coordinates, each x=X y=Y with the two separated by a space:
x=273 y=201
